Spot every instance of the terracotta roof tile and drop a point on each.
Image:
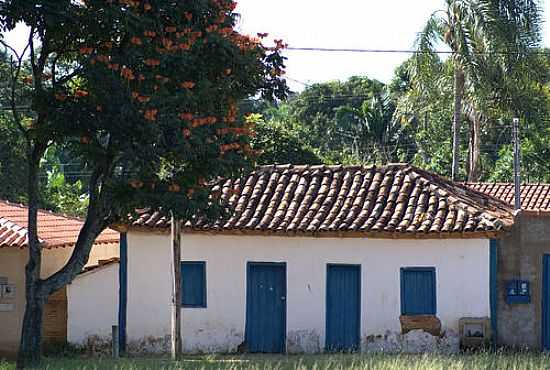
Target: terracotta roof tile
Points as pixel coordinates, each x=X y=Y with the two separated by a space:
x=390 y=201
x=54 y=230
x=534 y=197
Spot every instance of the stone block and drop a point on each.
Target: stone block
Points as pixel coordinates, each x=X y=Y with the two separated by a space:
x=428 y=323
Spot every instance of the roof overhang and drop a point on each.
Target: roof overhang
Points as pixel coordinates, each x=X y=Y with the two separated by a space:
x=500 y=234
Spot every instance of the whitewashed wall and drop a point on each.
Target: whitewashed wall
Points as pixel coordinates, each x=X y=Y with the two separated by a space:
x=92 y=300
x=462 y=276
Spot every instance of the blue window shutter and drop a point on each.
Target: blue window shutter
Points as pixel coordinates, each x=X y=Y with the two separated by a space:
x=418 y=291
x=193 y=284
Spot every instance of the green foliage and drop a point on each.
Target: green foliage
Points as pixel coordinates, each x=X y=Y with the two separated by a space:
x=346 y=122
x=280 y=145
x=492 y=43
x=145 y=94
x=13 y=169
x=426 y=101
x=58 y=193
x=316 y=108
x=413 y=123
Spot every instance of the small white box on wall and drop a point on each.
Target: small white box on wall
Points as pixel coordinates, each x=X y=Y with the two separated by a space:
x=7 y=291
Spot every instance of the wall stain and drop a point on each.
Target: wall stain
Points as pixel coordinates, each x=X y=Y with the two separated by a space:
x=303 y=341
x=415 y=341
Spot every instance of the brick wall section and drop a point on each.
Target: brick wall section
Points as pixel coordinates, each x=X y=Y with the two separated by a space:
x=520 y=257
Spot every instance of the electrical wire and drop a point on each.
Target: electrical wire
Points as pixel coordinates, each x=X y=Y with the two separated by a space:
x=410 y=51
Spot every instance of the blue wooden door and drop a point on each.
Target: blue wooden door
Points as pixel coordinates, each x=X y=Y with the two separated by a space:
x=546 y=302
x=343 y=311
x=266 y=307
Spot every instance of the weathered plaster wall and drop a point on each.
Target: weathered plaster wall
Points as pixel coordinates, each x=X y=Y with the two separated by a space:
x=54 y=259
x=93 y=304
x=12 y=262
x=520 y=256
x=12 y=266
x=462 y=268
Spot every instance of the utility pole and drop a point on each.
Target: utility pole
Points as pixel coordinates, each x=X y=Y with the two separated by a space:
x=176 y=289
x=517 y=184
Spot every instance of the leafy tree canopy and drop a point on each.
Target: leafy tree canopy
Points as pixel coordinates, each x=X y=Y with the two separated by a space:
x=145 y=94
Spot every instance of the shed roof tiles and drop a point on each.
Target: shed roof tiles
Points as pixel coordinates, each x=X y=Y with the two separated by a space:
x=396 y=200
x=534 y=197
x=54 y=231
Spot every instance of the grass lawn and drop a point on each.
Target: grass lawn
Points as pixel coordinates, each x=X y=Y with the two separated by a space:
x=312 y=362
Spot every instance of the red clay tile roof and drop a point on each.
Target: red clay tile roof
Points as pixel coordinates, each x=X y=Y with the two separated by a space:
x=534 y=197
x=391 y=201
x=54 y=231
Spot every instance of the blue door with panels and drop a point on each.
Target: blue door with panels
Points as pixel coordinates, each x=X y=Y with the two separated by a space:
x=546 y=302
x=266 y=307
x=343 y=311
x=418 y=291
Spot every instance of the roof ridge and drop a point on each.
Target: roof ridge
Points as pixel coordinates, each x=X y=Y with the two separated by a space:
x=504 y=183
x=444 y=184
x=286 y=166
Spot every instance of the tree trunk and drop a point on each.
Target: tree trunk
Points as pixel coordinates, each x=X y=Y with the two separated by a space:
x=38 y=290
x=30 y=349
x=457 y=117
x=474 y=165
x=31 y=335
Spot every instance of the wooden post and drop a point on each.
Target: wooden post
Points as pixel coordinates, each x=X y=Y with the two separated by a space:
x=176 y=286
x=517 y=180
x=116 y=344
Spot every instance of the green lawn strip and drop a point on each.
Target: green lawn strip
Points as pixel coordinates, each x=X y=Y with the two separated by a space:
x=512 y=361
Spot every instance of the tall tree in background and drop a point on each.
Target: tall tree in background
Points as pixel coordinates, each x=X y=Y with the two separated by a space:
x=145 y=93
x=489 y=40
x=315 y=111
x=376 y=134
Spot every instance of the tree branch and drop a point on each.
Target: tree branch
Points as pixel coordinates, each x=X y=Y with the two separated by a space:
x=93 y=226
x=14 y=78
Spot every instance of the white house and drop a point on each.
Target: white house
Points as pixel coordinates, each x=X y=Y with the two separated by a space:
x=313 y=258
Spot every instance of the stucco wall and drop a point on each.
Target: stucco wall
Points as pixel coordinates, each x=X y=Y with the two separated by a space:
x=93 y=304
x=520 y=256
x=12 y=262
x=12 y=266
x=462 y=268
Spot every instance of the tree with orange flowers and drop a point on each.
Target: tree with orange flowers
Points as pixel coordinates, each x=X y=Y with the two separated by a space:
x=146 y=93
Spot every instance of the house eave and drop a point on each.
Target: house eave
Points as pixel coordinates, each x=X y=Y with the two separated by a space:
x=495 y=234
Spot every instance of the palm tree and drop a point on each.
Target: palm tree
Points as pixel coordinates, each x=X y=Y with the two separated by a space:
x=375 y=132
x=488 y=39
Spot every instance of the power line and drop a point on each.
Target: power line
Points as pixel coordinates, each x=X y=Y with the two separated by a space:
x=410 y=51
x=298 y=81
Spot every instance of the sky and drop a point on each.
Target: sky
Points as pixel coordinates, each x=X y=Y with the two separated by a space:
x=360 y=24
